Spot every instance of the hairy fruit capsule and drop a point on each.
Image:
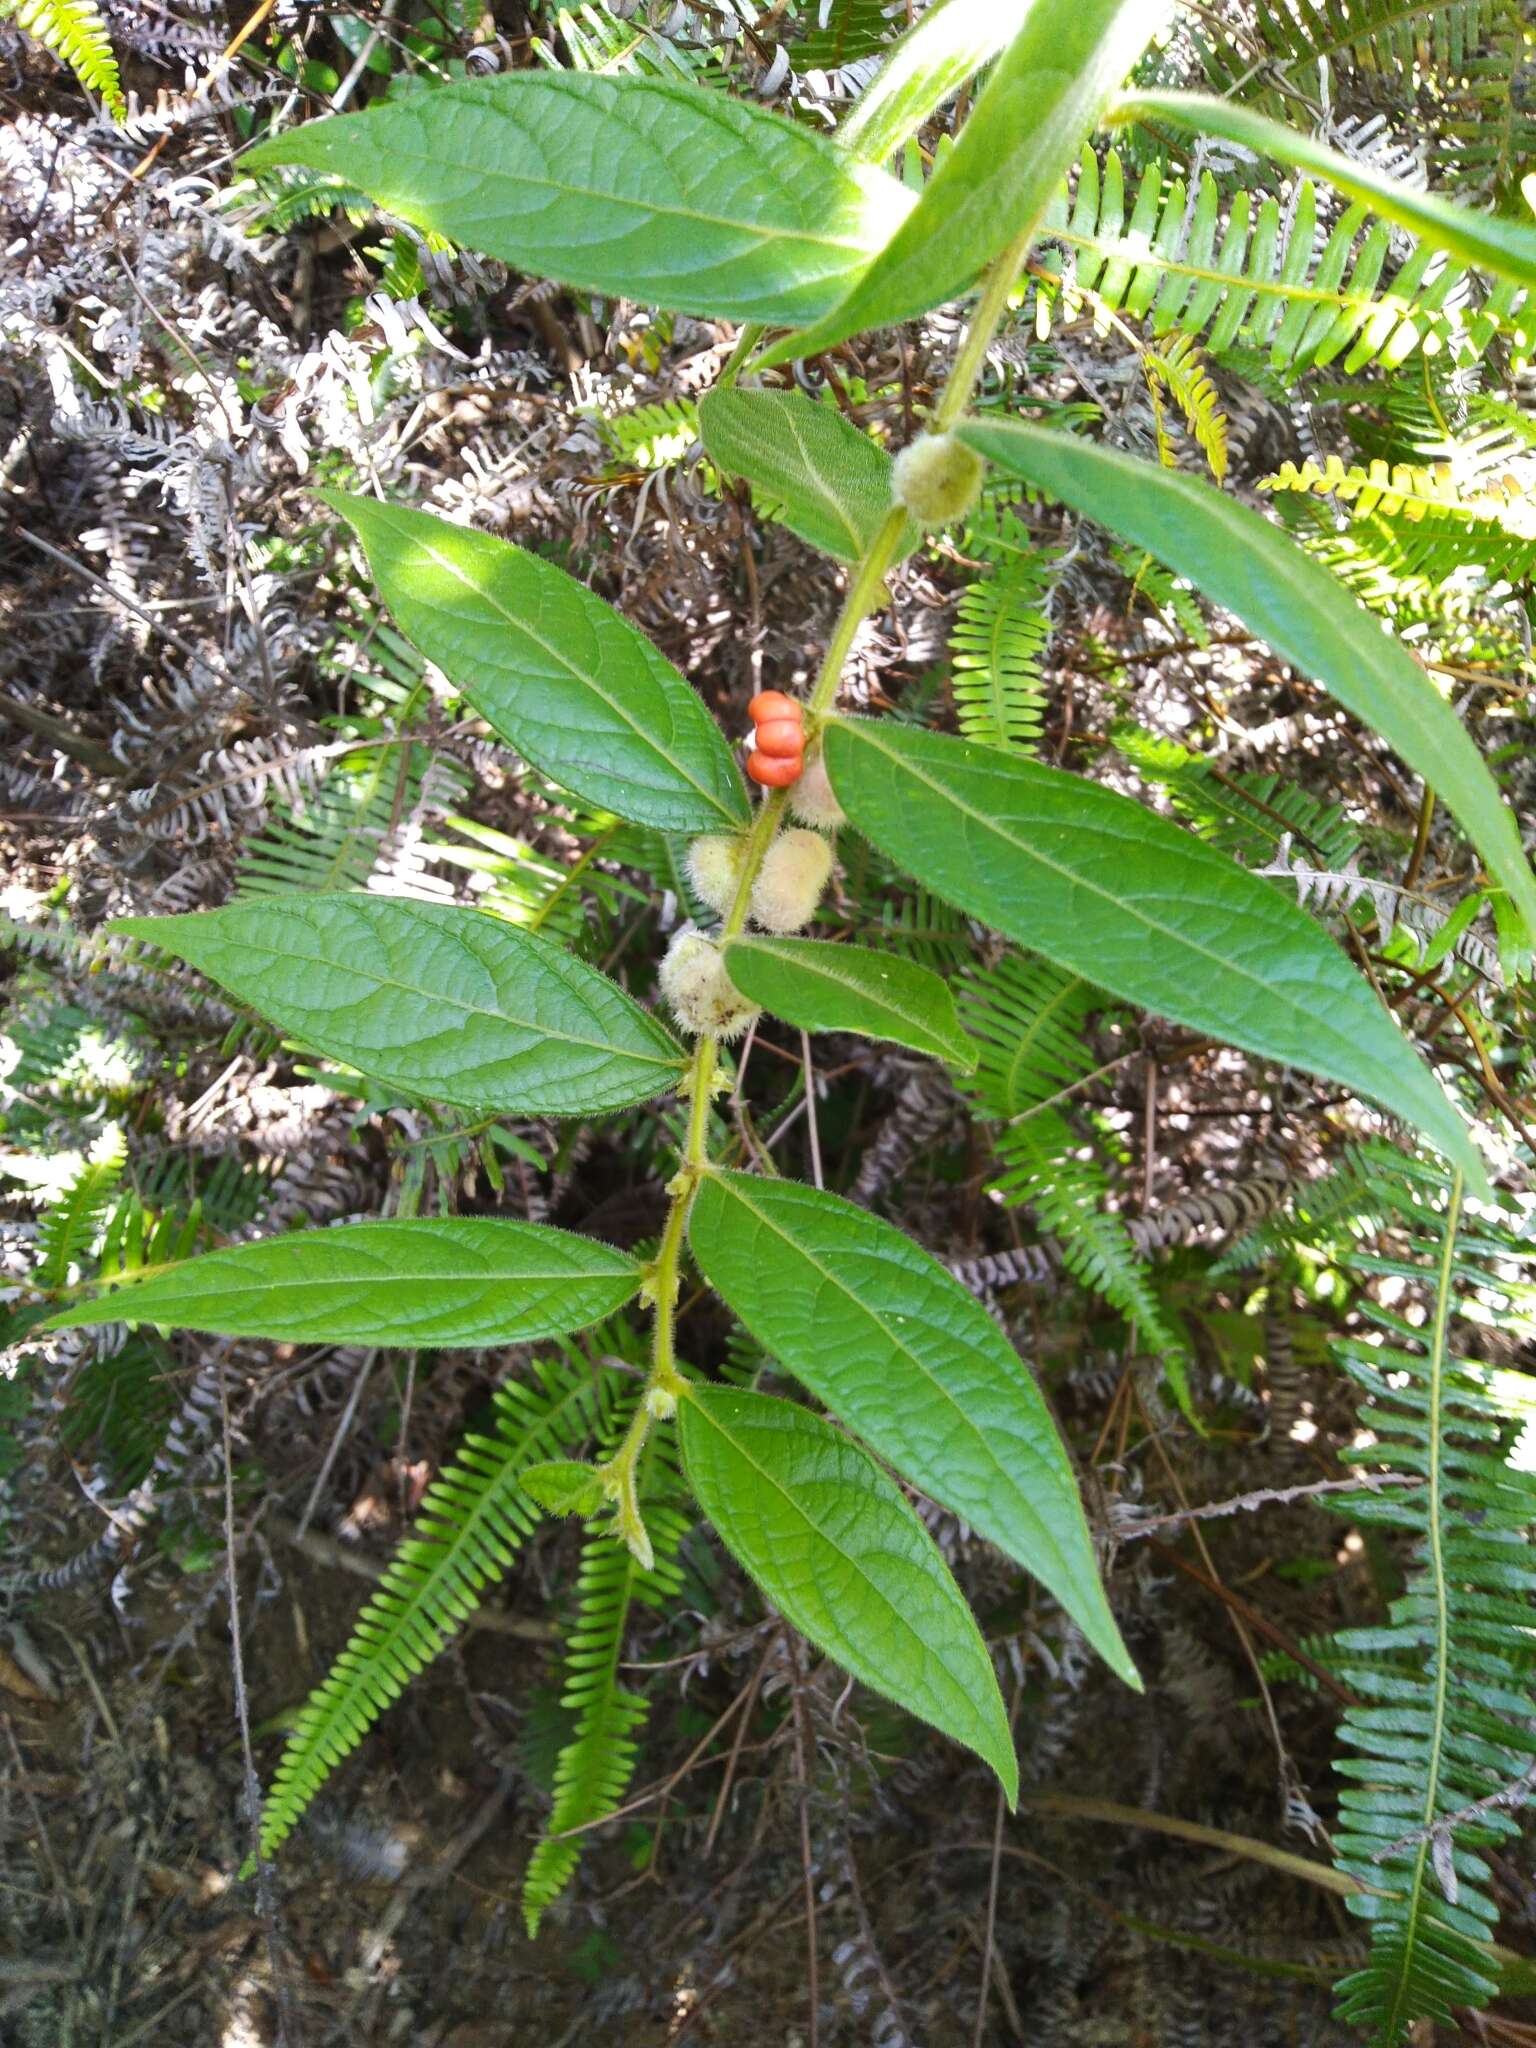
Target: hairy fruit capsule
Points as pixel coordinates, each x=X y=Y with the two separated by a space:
x=790 y=881
x=699 y=992
x=813 y=800
x=714 y=867
x=937 y=478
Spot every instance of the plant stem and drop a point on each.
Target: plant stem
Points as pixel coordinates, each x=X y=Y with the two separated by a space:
x=665 y=1385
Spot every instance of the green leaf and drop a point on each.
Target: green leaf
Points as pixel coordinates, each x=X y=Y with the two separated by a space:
x=822 y=987
x=628 y=186
x=1131 y=902
x=1507 y=248
x=992 y=190
x=829 y=483
x=899 y=1350
x=553 y=669
x=927 y=67
x=1302 y=611
x=444 y=1003
x=565 y=1486
x=433 y=1282
x=838 y=1551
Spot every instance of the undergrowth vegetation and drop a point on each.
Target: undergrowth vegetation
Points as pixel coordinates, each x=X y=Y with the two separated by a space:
x=768 y=787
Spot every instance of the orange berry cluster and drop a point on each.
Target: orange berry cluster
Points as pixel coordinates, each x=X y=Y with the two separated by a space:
x=778 y=747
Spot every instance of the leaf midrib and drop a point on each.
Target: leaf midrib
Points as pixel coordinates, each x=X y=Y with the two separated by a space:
x=815 y=1527
x=866 y=735
x=850 y=985
x=578 y=675
x=647 y=209
x=732 y=1189
x=544 y=1032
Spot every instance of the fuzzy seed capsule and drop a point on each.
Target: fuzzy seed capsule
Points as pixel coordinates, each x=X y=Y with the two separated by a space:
x=812 y=799
x=714 y=866
x=790 y=881
x=699 y=992
x=937 y=478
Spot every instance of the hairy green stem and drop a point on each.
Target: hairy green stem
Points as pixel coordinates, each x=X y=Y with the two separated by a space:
x=665 y=1384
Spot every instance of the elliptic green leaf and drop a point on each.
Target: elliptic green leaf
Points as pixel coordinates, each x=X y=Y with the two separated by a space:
x=553 y=669
x=828 y=482
x=628 y=186
x=1303 y=612
x=899 y=1351
x=444 y=1003
x=433 y=1282
x=831 y=1541
x=1044 y=95
x=822 y=987
x=927 y=67
x=1133 y=903
x=1505 y=247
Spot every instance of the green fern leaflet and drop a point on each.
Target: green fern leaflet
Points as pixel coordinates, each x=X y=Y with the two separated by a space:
x=597 y=1763
x=1443 y=1741
x=75 y=31
x=472 y=1521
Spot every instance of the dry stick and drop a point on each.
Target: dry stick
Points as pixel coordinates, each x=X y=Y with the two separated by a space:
x=89 y=575
x=1073 y=1807
x=1131 y=1530
x=43 y=1836
x=989 y=1947
x=1236 y=1609
x=810 y=1109
x=1243 y=1614
x=286 y=2037
x=723 y=1797
x=89 y=753
x=333 y=1449
x=663 y=1787
x=326 y=1550
x=803 y=1773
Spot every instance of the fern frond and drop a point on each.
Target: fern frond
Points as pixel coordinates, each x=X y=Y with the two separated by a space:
x=71 y=1228
x=997 y=647
x=1439 y=1742
x=597 y=1762
x=1481 y=116
x=472 y=1521
x=1411 y=491
x=599 y=41
x=1257 y=282
x=1381 y=37
x=1043 y=1164
x=1177 y=364
x=648 y=437
x=1030 y=1022
x=335 y=836
x=1251 y=817
x=120 y=1405
x=285 y=197
x=75 y=31
x=1172 y=596
x=1418 y=565
x=846 y=32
